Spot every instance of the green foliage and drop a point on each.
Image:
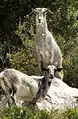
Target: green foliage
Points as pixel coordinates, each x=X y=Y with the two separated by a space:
x=25 y=58
x=19 y=113
x=17 y=35
x=17 y=46
x=25 y=61
x=33 y=113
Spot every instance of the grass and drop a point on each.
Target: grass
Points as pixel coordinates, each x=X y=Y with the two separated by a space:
x=13 y=112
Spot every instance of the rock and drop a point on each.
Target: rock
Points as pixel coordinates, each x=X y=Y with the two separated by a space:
x=59 y=96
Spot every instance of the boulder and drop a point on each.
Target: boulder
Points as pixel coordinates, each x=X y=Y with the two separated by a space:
x=59 y=96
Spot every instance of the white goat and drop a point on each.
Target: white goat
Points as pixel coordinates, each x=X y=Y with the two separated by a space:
x=48 y=51
x=18 y=85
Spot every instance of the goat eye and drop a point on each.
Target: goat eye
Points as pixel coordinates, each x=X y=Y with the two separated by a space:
x=43 y=13
x=47 y=70
x=55 y=70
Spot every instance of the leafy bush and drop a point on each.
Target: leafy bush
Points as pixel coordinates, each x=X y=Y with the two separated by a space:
x=25 y=58
x=33 y=113
x=17 y=34
x=25 y=61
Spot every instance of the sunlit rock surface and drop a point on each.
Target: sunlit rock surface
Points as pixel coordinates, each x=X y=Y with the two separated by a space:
x=59 y=96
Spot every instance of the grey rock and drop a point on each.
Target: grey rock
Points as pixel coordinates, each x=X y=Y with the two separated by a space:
x=59 y=96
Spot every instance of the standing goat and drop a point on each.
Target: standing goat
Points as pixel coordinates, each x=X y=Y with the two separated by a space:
x=18 y=85
x=48 y=51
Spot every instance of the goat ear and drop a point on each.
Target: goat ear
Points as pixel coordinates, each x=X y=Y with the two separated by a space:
x=45 y=69
x=59 y=69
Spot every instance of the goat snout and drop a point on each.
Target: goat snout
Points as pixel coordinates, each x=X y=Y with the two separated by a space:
x=39 y=20
x=51 y=76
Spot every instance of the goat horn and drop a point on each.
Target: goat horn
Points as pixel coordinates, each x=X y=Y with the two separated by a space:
x=51 y=12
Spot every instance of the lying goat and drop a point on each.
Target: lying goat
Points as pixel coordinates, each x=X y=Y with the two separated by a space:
x=18 y=85
x=48 y=51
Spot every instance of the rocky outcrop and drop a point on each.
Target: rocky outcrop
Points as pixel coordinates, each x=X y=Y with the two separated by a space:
x=59 y=96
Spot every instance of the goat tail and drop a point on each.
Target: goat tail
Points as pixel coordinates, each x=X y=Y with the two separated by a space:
x=2 y=80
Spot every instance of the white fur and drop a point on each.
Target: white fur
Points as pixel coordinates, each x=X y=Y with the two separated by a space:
x=26 y=86
x=47 y=49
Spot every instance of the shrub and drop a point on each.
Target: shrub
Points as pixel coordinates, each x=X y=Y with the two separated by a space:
x=14 y=112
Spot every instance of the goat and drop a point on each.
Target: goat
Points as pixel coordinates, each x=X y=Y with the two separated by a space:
x=48 y=51
x=20 y=86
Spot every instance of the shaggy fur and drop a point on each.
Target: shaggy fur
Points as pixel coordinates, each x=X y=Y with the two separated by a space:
x=18 y=85
x=48 y=51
